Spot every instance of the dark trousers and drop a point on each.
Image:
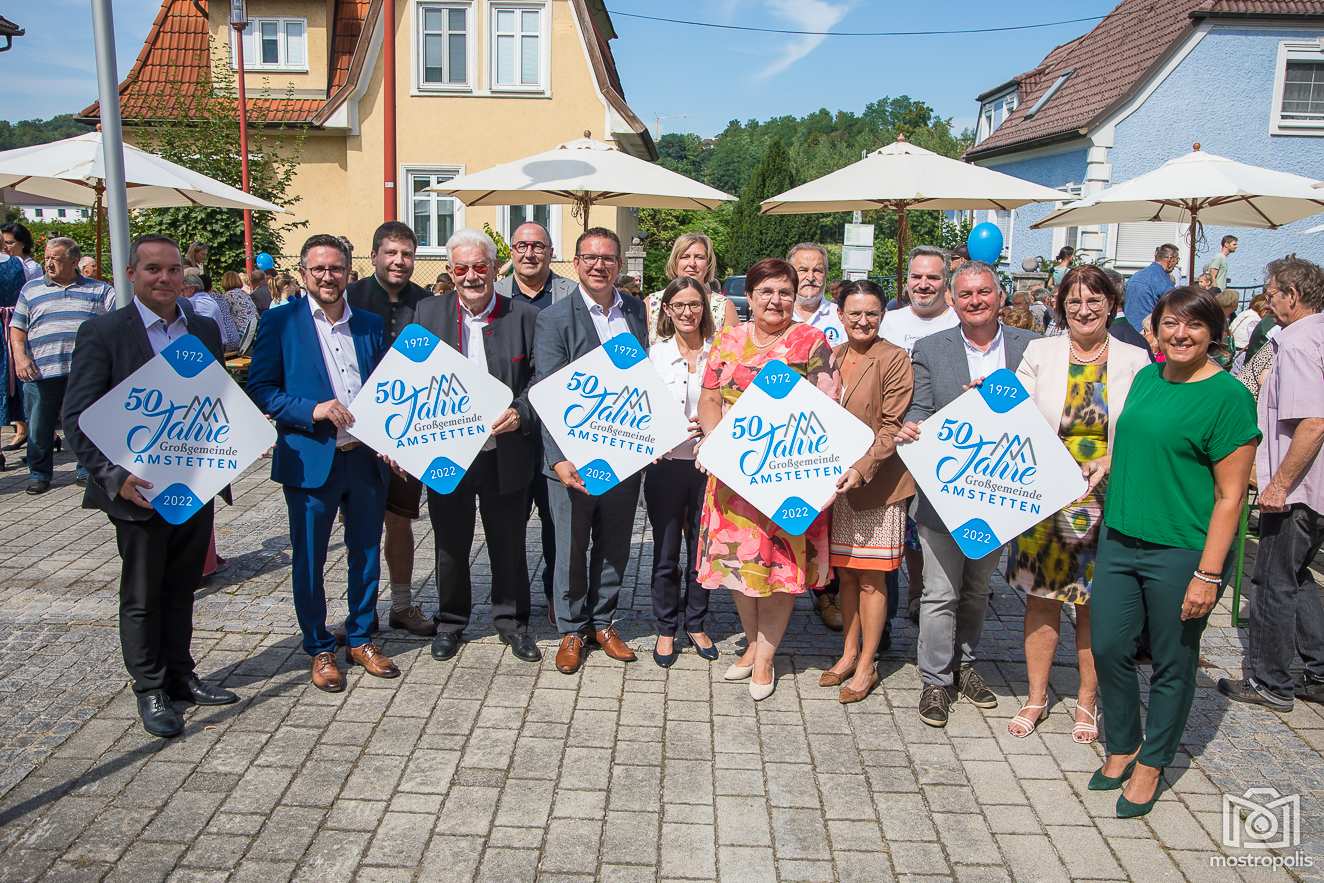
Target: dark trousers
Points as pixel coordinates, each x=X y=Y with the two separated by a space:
x=593 y=549
x=453 y=530
x=538 y=500
x=1136 y=584
x=1286 y=616
x=673 y=495
x=42 y=400
x=161 y=569
x=354 y=486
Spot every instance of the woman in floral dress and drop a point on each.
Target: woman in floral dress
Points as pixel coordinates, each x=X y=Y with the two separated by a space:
x=741 y=549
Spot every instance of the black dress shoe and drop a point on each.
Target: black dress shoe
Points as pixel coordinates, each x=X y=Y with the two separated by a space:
x=159 y=718
x=38 y=487
x=195 y=692
x=522 y=646
x=15 y=446
x=445 y=645
x=669 y=659
x=709 y=653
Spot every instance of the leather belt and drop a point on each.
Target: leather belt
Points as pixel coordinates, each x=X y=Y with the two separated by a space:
x=349 y=446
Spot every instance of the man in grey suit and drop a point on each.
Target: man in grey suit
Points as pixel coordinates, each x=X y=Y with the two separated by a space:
x=534 y=282
x=951 y=612
x=592 y=533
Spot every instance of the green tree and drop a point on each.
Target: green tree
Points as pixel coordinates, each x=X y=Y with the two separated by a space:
x=202 y=134
x=25 y=133
x=755 y=235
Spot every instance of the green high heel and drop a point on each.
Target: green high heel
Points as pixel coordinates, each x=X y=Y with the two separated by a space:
x=1100 y=782
x=1128 y=810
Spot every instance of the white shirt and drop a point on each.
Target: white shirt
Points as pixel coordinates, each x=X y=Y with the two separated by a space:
x=986 y=362
x=825 y=319
x=685 y=386
x=474 y=349
x=159 y=334
x=610 y=322
x=903 y=327
x=342 y=363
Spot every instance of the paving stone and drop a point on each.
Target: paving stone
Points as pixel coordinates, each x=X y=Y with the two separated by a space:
x=745 y=864
x=1031 y=857
x=743 y=821
x=688 y=851
x=799 y=834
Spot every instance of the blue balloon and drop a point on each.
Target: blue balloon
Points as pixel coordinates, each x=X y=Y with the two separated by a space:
x=985 y=243
x=263 y=261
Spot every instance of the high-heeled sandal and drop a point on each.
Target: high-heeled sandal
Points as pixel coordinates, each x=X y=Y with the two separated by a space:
x=1027 y=723
x=1083 y=733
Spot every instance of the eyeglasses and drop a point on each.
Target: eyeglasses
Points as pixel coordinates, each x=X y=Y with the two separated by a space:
x=685 y=308
x=463 y=269
x=592 y=259
x=535 y=247
x=1093 y=304
x=326 y=271
x=773 y=294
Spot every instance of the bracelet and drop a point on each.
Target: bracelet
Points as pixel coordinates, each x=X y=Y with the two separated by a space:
x=1207 y=580
x=1212 y=574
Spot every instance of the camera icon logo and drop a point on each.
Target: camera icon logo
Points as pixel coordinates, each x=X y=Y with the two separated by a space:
x=1262 y=818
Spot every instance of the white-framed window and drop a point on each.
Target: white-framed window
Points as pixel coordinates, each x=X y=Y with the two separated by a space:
x=37 y=212
x=518 y=46
x=1005 y=221
x=1066 y=235
x=509 y=217
x=445 y=46
x=274 y=44
x=993 y=112
x=1298 y=89
x=1134 y=243
x=433 y=217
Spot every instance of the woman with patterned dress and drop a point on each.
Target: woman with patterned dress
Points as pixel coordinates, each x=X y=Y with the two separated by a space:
x=741 y=549
x=692 y=255
x=1079 y=381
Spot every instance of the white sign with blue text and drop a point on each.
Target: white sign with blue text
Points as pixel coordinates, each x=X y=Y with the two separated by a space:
x=610 y=412
x=428 y=408
x=783 y=446
x=992 y=466
x=181 y=423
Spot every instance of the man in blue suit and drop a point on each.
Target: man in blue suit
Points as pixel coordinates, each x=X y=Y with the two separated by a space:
x=309 y=362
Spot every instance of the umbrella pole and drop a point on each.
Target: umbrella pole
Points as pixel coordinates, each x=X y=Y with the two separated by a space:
x=96 y=221
x=902 y=248
x=1195 y=223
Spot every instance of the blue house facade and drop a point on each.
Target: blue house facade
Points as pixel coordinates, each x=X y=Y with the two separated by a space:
x=1244 y=79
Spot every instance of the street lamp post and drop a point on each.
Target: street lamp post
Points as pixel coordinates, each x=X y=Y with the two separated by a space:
x=239 y=21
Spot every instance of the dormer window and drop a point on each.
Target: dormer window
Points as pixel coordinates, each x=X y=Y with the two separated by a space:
x=993 y=112
x=274 y=44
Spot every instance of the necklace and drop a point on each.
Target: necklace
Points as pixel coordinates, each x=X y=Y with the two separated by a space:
x=1080 y=356
x=754 y=337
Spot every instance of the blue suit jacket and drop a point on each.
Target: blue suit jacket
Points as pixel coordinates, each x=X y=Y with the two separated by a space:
x=288 y=378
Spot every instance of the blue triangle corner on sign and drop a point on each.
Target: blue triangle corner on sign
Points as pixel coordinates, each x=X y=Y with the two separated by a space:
x=777 y=379
x=598 y=477
x=976 y=539
x=443 y=475
x=188 y=356
x=415 y=343
x=794 y=516
x=624 y=351
x=177 y=503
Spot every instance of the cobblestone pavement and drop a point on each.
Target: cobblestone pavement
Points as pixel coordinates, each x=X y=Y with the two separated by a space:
x=485 y=767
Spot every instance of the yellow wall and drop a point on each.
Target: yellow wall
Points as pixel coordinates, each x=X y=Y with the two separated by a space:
x=278 y=83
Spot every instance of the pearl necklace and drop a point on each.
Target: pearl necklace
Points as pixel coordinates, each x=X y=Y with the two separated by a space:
x=1080 y=357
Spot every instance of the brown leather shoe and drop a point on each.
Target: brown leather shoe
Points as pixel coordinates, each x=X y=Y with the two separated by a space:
x=326 y=675
x=570 y=655
x=610 y=642
x=412 y=620
x=373 y=660
x=828 y=610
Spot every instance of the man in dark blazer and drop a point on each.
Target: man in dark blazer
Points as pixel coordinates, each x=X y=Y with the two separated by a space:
x=311 y=358
x=496 y=333
x=592 y=533
x=955 y=599
x=162 y=562
x=390 y=292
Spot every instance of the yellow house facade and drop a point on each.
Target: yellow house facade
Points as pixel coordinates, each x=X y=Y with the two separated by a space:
x=477 y=83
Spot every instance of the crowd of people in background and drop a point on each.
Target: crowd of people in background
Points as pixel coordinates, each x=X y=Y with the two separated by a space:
x=1137 y=563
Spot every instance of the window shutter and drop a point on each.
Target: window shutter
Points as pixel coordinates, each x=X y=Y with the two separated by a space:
x=1136 y=241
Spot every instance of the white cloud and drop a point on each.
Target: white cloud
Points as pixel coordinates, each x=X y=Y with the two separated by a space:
x=805 y=15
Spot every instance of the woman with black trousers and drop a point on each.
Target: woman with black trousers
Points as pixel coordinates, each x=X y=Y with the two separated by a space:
x=673 y=486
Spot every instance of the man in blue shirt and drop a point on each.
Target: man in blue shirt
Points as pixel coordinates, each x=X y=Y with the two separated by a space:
x=1144 y=289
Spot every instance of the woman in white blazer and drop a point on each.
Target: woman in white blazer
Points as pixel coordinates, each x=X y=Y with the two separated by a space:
x=1079 y=381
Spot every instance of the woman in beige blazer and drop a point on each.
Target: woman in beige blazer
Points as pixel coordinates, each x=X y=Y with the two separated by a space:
x=1079 y=381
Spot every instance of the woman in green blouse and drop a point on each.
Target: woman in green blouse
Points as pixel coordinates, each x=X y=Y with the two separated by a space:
x=1180 y=467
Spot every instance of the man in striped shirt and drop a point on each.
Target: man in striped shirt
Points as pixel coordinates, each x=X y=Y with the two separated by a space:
x=41 y=335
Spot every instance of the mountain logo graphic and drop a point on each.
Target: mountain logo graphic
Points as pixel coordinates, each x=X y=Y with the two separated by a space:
x=1016 y=449
x=448 y=385
x=209 y=410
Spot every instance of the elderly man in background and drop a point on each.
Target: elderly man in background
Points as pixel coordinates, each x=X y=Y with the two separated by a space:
x=535 y=283
x=49 y=312
x=951 y=615
x=1144 y=289
x=1286 y=617
x=87 y=267
x=207 y=305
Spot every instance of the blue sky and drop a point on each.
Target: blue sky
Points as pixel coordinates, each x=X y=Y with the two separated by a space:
x=696 y=79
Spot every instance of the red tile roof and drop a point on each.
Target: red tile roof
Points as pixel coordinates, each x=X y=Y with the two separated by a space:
x=1108 y=63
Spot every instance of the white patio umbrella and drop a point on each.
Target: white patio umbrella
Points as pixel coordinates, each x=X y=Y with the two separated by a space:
x=903 y=177
x=73 y=171
x=1199 y=188
x=582 y=173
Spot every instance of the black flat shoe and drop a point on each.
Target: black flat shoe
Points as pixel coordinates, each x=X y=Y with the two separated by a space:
x=38 y=487
x=15 y=446
x=445 y=645
x=195 y=692
x=709 y=653
x=521 y=644
x=158 y=717
x=669 y=659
